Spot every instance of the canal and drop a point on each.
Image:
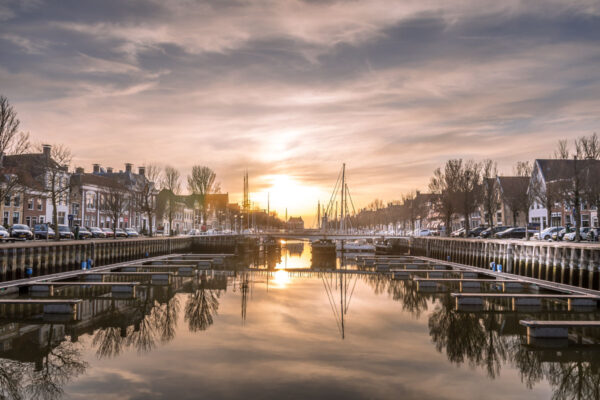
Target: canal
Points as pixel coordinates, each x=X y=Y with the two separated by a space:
x=256 y=328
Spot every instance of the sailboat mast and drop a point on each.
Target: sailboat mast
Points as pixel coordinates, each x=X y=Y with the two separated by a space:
x=342 y=190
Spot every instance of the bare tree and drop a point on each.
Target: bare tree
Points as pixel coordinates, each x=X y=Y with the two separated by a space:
x=469 y=190
x=11 y=142
x=55 y=178
x=414 y=208
x=201 y=183
x=562 y=150
x=115 y=204
x=443 y=187
x=146 y=193
x=490 y=198
x=172 y=183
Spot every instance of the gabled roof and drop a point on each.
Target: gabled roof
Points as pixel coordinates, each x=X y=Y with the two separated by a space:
x=95 y=179
x=511 y=186
x=295 y=220
x=558 y=169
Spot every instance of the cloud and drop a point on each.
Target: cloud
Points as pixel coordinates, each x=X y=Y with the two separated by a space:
x=298 y=87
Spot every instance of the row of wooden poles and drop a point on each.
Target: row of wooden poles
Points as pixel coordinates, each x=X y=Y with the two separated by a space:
x=571 y=264
x=34 y=259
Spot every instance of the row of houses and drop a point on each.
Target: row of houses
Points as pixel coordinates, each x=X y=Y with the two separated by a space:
x=536 y=187
x=83 y=197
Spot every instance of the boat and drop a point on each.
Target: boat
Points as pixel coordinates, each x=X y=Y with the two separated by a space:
x=383 y=247
x=355 y=246
x=323 y=246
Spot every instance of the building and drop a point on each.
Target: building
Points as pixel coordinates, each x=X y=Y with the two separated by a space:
x=513 y=196
x=36 y=173
x=295 y=224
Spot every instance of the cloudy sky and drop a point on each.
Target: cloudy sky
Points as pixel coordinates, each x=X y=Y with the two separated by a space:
x=292 y=89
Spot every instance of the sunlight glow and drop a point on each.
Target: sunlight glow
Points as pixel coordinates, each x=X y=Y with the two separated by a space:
x=286 y=191
x=281 y=278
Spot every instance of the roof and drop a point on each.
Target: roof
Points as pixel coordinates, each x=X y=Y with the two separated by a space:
x=295 y=220
x=95 y=179
x=559 y=169
x=512 y=186
x=30 y=168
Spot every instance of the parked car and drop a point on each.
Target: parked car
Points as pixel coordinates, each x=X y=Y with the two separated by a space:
x=583 y=232
x=546 y=234
x=4 y=235
x=131 y=233
x=43 y=231
x=490 y=232
x=475 y=232
x=65 y=233
x=97 y=232
x=108 y=232
x=21 y=232
x=561 y=234
x=120 y=233
x=418 y=232
x=458 y=233
x=83 y=232
x=512 y=233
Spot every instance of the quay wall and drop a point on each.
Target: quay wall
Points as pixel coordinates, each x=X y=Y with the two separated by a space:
x=576 y=264
x=52 y=257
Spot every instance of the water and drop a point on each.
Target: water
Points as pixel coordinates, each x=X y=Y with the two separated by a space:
x=291 y=335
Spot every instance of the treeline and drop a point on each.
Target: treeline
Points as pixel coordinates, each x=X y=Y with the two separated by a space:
x=460 y=188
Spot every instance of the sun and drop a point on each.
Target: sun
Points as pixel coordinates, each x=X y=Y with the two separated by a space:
x=287 y=192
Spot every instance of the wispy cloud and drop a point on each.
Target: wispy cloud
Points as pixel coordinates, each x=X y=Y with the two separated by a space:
x=298 y=87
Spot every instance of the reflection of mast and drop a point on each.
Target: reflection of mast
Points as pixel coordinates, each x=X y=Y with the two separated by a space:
x=344 y=298
x=244 y=288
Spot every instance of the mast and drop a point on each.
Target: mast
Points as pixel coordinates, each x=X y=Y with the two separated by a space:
x=318 y=214
x=342 y=190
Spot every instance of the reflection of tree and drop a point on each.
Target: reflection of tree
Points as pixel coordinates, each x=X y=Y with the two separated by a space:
x=148 y=322
x=574 y=380
x=202 y=304
x=45 y=378
x=466 y=338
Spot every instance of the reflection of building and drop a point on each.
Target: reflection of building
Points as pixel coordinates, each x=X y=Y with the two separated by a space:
x=295 y=248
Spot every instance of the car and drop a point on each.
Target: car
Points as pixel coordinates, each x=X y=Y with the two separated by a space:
x=458 y=233
x=82 y=232
x=64 y=232
x=561 y=234
x=475 y=232
x=512 y=233
x=120 y=233
x=43 y=231
x=546 y=234
x=97 y=232
x=423 y=232
x=492 y=231
x=131 y=233
x=4 y=235
x=108 y=232
x=583 y=232
x=21 y=232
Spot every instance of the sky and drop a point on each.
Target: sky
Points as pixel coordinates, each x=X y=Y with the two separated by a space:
x=290 y=90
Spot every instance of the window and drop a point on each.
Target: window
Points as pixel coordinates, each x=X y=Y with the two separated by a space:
x=61 y=217
x=17 y=201
x=90 y=200
x=41 y=219
x=34 y=220
x=7 y=201
x=15 y=217
x=39 y=204
x=28 y=221
x=6 y=220
x=30 y=203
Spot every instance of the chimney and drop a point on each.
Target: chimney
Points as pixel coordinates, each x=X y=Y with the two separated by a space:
x=46 y=150
x=109 y=170
x=142 y=171
x=79 y=170
x=96 y=168
x=128 y=167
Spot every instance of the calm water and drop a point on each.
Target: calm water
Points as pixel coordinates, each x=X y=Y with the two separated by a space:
x=289 y=335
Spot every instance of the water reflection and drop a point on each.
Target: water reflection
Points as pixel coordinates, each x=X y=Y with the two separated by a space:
x=319 y=322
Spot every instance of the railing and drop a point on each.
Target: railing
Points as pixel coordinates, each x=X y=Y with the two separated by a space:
x=569 y=263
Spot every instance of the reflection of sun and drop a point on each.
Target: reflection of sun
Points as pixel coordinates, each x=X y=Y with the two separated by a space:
x=281 y=278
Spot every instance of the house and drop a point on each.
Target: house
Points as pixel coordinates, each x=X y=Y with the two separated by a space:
x=548 y=179
x=37 y=172
x=513 y=196
x=295 y=224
